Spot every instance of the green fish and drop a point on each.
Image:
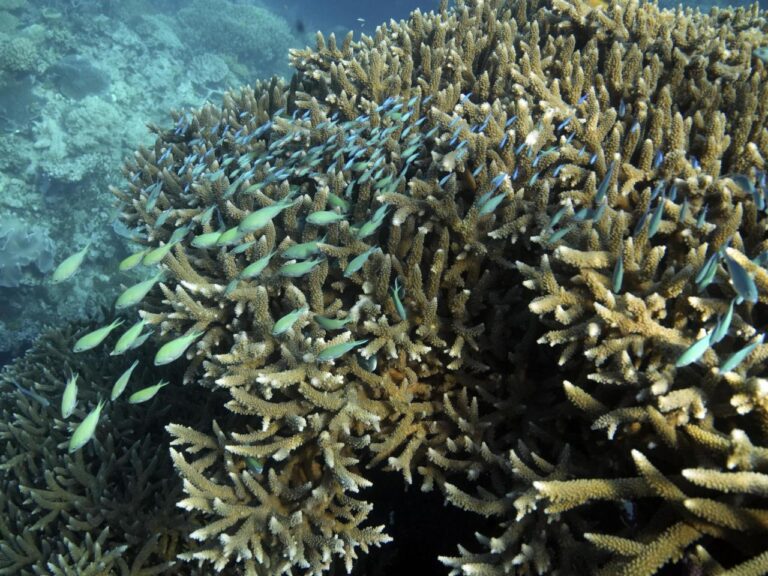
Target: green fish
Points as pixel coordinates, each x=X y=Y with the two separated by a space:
x=136 y=293
x=146 y=393
x=358 y=261
x=738 y=357
x=263 y=216
x=93 y=339
x=255 y=268
x=693 y=352
x=332 y=323
x=172 y=350
x=205 y=217
x=69 y=398
x=126 y=341
x=298 y=269
x=84 y=431
x=156 y=255
x=130 y=262
x=338 y=350
x=723 y=324
x=324 y=217
x=229 y=237
x=395 y=292
x=122 y=382
x=69 y=266
x=742 y=281
x=337 y=201
x=286 y=322
x=254 y=464
x=206 y=240
x=302 y=251
x=243 y=247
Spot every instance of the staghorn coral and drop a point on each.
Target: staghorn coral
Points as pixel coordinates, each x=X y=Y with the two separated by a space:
x=106 y=509
x=380 y=255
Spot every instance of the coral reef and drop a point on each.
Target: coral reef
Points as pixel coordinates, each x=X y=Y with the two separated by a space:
x=108 y=509
x=27 y=253
x=511 y=252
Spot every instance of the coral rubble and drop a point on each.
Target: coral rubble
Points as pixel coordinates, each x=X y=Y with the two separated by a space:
x=511 y=251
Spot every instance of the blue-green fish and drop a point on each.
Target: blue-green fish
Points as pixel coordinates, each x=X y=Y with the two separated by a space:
x=559 y=234
x=85 y=430
x=618 y=275
x=603 y=188
x=337 y=201
x=69 y=266
x=324 y=217
x=653 y=227
x=738 y=357
x=122 y=381
x=126 y=341
x=338 y=350
x=206 y=240
x=229 y=237
x=302 y=251
x=693 y=352
x=358 y=261
x=136 y=293
x=255 y=268
x=263 y=216
x=69 y=398
x=286 y=322
x=723 y=324
x=298 y=269
x=742 y=282
x=395 y=293
x=146 y=393
x=130 y=262
x=29 y=393
x=93 y=339
x=332 y=323
x=172 y=350
x=254 y=464
x=156 y=255
x=709 y=266
x=491 y=204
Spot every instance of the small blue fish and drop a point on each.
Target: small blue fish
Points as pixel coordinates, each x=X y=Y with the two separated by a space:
x=358 y=261
x=559 y=235
x=557 y=217
x=658 y=159
x=710 y=263
x=618 y=274
x=702 y=217
x=653 y=227
x=338 y=350
x=395 y=292
x=723 y=324
x=603 y=188
x=693 y=352
x=742 y=281
x=740 y=355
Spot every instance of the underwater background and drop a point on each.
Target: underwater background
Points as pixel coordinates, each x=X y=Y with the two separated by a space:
x=101 y=101
x=80 y=80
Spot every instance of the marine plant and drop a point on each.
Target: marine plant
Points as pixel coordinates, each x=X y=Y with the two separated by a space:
x=511 y=251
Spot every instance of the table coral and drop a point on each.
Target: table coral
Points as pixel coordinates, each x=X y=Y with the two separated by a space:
x=511 y=251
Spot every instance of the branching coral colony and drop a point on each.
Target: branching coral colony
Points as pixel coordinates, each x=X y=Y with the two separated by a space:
x=372 y=260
